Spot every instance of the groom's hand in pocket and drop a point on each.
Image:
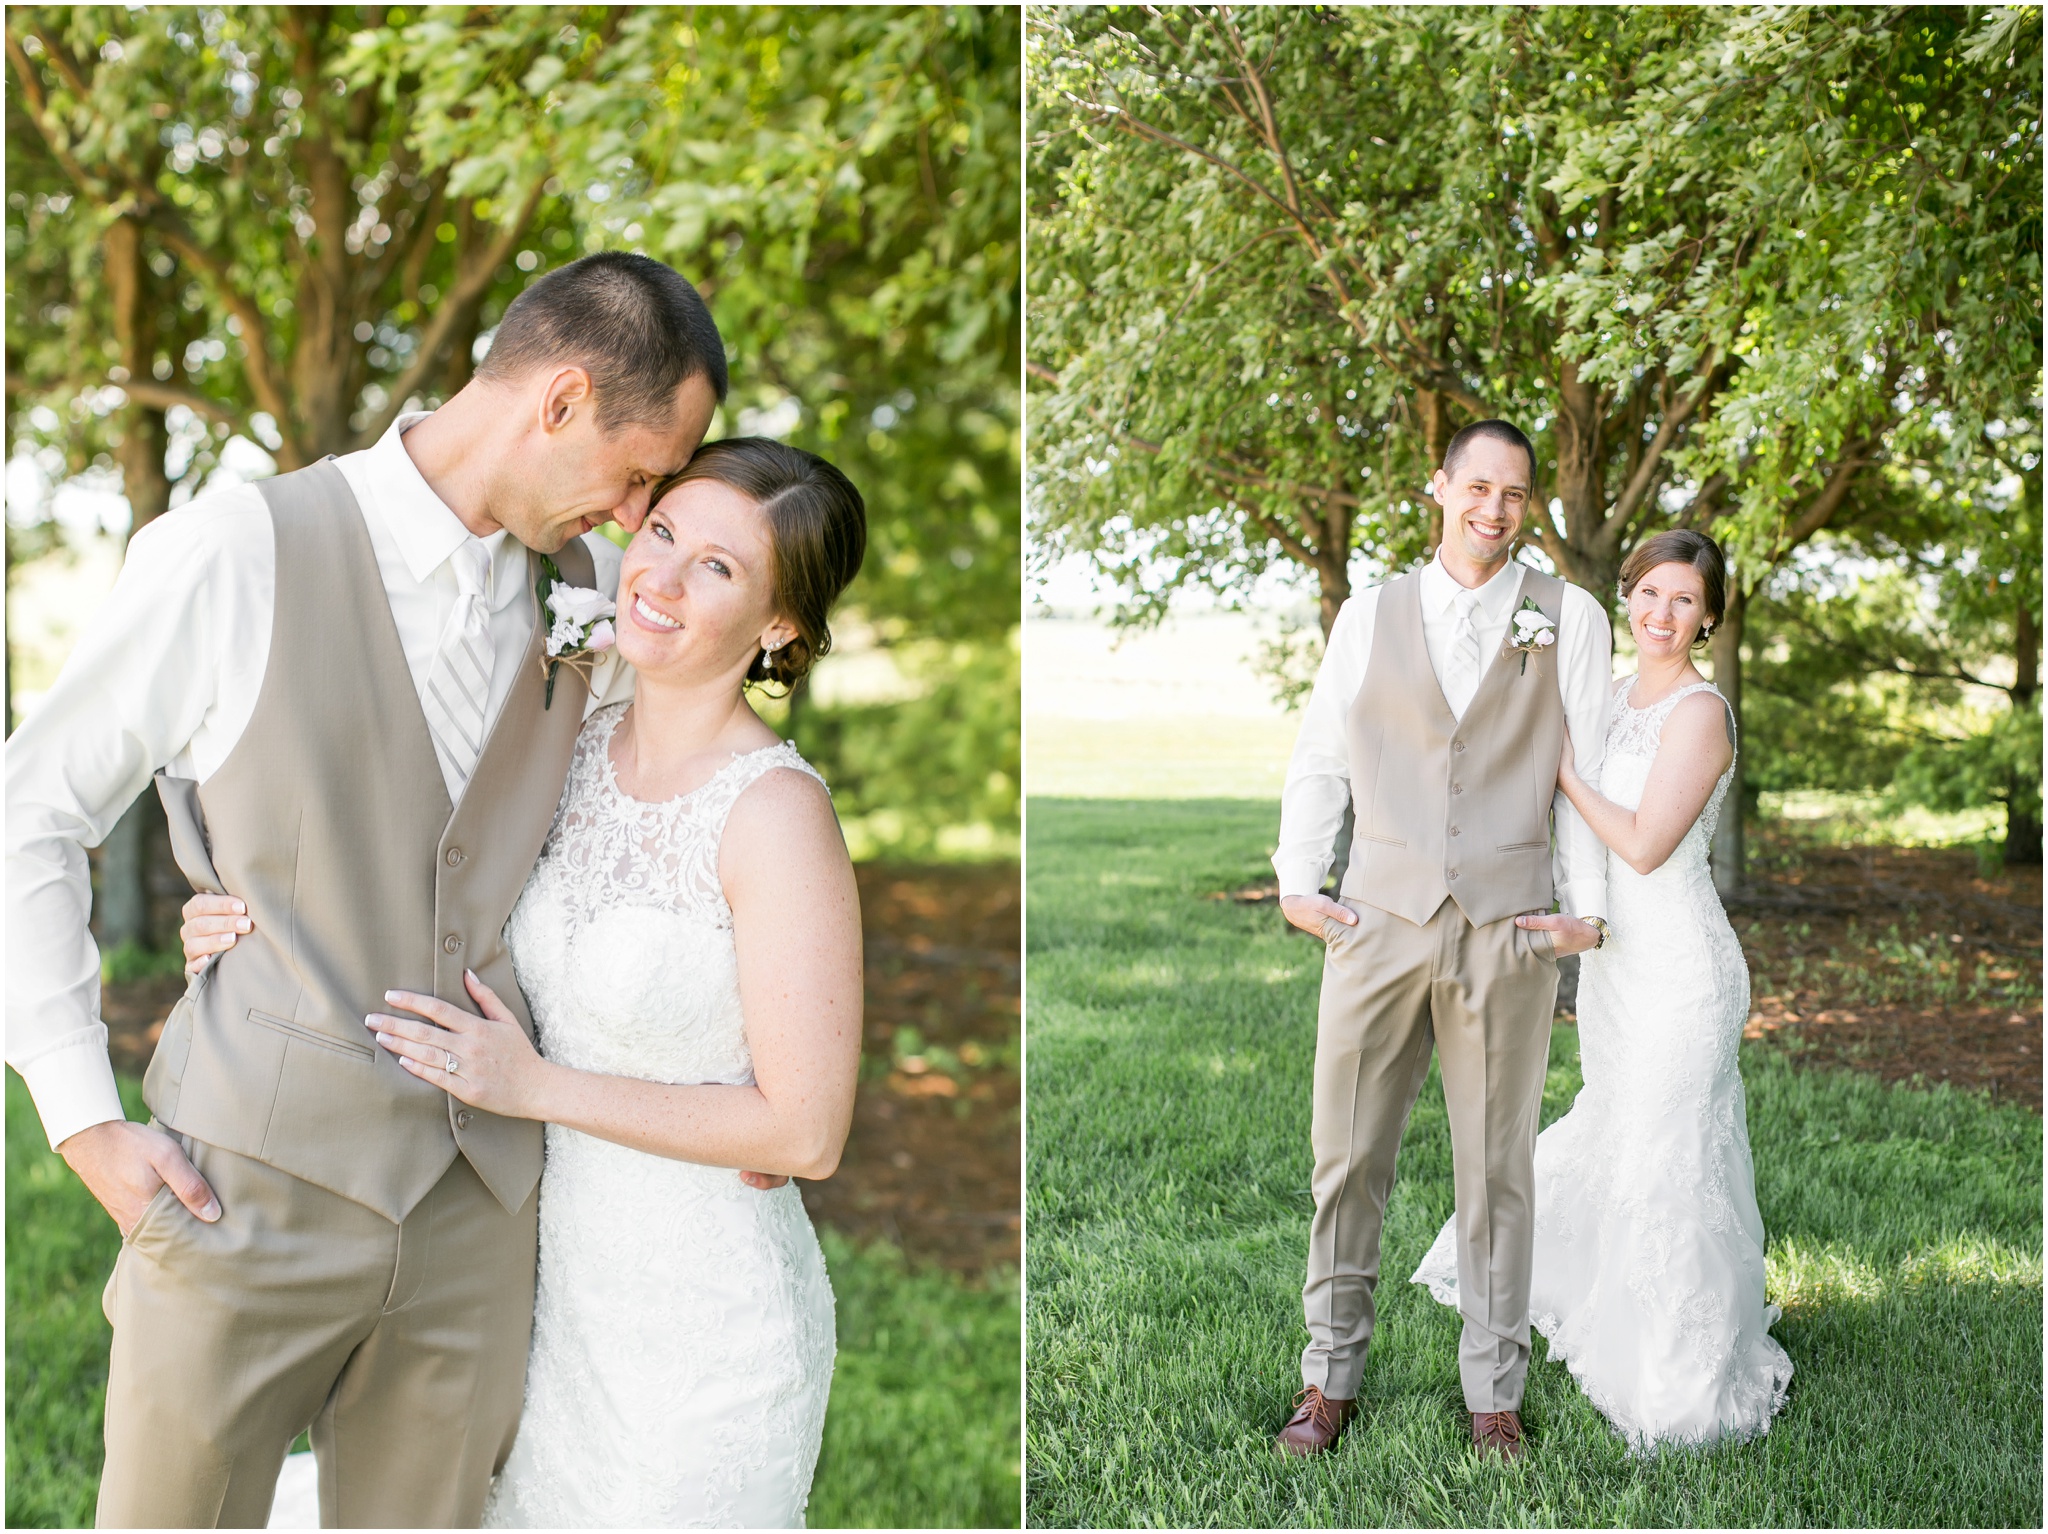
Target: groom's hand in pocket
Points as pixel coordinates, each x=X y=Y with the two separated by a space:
x=123 y=1164
x=1309 y=912
x=1568 y=935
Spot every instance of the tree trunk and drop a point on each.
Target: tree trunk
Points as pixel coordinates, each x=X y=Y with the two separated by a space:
x=1725 y=649
x=1334 y=593
x=2022 y=801
x=140 y=840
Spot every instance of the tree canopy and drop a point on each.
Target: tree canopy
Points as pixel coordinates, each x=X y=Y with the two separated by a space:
x=1763 y=272
x=290 y=223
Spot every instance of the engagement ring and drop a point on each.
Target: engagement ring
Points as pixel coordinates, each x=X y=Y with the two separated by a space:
x=453 y=1067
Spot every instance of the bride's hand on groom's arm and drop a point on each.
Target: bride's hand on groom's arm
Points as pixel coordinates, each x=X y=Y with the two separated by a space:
x=497 y=1068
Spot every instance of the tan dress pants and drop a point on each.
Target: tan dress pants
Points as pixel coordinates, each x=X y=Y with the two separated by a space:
x=403 y=1348
x=1484 y=996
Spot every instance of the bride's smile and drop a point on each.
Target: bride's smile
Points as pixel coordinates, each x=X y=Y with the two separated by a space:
x=1667 y=611
x=697 y=586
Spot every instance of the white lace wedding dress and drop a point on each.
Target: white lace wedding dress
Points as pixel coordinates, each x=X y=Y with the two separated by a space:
x=682 y=1332
x=1648 y=1275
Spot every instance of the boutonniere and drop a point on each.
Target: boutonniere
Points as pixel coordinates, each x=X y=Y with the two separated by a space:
x=579 y=627
x=1531 y=631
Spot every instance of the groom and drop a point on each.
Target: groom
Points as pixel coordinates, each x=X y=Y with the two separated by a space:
x=335 y=676
x=1439 y=715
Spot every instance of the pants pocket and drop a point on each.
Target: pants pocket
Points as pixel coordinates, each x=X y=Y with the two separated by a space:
x=157 y=1200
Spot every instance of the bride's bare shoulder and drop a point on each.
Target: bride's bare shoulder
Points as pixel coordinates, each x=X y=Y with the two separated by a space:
x=1700 y=723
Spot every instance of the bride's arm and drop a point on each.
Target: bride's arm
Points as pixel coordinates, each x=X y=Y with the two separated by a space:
x=1693 y=752
x=796 y=930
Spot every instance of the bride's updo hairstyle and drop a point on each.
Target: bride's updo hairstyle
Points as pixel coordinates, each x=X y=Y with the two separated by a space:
x=1681 y=546
x=817 y=527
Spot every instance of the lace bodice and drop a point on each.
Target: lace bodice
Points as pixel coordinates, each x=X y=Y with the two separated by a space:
x=617 y=850
x=1632 y=738
x=618 y=878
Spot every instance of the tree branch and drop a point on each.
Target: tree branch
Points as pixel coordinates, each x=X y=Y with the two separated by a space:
x=162 y=397
x=469 y=290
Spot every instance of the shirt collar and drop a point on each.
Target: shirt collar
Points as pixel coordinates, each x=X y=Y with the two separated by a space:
x=1440 y=589
x=424 y=529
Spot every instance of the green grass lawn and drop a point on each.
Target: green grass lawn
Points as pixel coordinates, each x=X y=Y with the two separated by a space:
x=922 y=1430
x=1170 y=1046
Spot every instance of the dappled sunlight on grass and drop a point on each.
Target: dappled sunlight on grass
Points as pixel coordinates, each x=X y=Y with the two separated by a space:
x=1804 y=1276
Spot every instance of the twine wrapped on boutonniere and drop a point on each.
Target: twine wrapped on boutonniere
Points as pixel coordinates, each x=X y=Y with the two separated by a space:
x=579 y=627
x=1532 y=630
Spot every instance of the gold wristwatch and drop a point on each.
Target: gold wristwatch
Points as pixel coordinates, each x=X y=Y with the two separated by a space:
x=1599 y=925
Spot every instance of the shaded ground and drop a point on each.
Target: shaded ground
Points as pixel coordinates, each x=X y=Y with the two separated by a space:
x=1908 y=963
x=932 y=1164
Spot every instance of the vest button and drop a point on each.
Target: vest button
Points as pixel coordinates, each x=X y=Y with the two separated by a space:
x=1458 y=745
x=1454 y=873
x=1457 y=788
x=456 y=857
x=451 y=944
x=462 y=1119
x=1454 y=830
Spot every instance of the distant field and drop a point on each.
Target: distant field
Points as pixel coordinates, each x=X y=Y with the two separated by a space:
x=1176 y=712
x=1157 y=758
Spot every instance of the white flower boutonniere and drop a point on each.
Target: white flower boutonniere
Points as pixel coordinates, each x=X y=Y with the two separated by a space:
x=579 y=626
x=1531 y=631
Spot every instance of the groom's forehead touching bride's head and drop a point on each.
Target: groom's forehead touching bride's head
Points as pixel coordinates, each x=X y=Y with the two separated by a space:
x=612 y=368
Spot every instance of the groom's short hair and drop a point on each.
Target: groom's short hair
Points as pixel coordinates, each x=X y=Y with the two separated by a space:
x=637 y=327
x=1500 y=431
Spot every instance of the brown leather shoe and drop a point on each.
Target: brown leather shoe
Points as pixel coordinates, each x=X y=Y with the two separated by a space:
x=1316 y=1422
x=1499 y=1432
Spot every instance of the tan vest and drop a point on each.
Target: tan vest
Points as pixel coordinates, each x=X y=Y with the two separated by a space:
x=331 y=819
x=1450 y=807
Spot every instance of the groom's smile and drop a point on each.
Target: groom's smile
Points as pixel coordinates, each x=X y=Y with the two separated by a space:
x=1485 y=497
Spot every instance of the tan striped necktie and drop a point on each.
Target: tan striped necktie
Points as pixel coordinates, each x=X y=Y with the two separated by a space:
x=459 y=685
x=1461 y=675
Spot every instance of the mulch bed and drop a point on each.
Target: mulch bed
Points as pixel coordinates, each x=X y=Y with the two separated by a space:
x=933 y=1161
x=1826 y=907
x=934 y=1158
x=1801 y=904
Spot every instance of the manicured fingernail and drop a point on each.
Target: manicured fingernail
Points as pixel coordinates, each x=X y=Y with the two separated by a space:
x=211 y=1211
x=370 y=1021
x=242 y=926
x=391 y=996
x=240 y=909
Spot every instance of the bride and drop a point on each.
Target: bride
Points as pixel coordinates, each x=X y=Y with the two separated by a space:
x=689 y=945
x=1648 y=1275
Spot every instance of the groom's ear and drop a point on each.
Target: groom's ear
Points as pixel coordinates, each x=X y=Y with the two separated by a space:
x=568 y=392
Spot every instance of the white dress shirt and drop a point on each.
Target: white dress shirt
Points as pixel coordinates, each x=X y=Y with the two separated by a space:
x=166 y=676
x=1319 y=776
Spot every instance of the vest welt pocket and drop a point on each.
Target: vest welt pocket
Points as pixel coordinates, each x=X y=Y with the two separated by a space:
x=307 y=1035
x=1384 y=841
x=1536 y=846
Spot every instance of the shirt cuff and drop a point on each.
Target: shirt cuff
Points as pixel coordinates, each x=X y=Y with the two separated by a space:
x=73 y=1086
x=1584 y=897
x=1300 y=876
